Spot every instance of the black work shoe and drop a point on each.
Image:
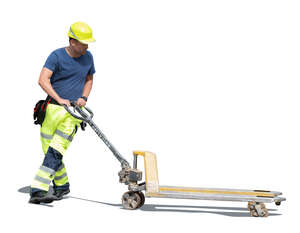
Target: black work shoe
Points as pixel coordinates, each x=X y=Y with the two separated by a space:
x=40 y=197
x=59 y=194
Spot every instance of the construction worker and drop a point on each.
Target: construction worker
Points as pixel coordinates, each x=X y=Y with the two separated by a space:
x=66 y=76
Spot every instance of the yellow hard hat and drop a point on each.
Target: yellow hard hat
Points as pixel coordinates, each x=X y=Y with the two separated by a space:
x=82 y=32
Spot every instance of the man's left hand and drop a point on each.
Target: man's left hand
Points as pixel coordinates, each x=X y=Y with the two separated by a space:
x=81 y=102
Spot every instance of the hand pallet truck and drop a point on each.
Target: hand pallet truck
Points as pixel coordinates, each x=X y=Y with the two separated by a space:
x=135 y=198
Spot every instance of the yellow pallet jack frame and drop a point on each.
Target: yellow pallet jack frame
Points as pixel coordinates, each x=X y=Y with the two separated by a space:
x=134 y=198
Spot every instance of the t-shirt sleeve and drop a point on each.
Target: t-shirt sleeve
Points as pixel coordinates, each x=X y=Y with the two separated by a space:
x=52 y=62
x=92 y=69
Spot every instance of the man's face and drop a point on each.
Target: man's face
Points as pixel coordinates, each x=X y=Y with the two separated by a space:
x=79 y=47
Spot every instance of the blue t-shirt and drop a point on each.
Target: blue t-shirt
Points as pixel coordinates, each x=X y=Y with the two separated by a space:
x=69 y=73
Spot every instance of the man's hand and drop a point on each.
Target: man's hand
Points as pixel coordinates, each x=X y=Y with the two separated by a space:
x=64 y=102
x=81 y=102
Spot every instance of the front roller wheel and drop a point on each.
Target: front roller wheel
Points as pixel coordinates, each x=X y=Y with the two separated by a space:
x=257 y=209
x=131 y=200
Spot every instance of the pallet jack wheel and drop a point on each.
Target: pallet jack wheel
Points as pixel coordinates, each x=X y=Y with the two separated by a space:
x=250 y=205
x=257 y=209
x=278 y=203
x=142 y=196
x=131 y=200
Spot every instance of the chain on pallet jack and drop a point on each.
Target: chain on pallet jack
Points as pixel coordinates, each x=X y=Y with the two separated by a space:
x=135 y=198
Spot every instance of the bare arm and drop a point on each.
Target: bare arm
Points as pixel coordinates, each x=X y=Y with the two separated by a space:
x=86 y=90
x=88 y=86
x=44 y=82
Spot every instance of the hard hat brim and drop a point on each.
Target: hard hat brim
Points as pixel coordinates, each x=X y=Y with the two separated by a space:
x=87 y=41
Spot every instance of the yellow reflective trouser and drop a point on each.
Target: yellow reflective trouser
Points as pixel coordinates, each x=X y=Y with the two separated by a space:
x=57 y=132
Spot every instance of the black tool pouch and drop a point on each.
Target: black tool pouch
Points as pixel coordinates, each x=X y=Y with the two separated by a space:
x=39 y=111
x=82 y=125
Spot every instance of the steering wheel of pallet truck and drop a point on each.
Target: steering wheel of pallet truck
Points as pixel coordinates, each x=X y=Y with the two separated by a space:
x=132 y=200
x=79 y=113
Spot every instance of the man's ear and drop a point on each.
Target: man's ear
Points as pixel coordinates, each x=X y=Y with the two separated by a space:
x=72 y=41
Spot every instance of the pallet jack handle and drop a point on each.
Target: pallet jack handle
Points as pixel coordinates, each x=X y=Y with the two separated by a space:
x=77 y=109
x=79 y=113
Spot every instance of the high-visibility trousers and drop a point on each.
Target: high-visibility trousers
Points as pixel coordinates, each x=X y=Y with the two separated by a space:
x=57 y=132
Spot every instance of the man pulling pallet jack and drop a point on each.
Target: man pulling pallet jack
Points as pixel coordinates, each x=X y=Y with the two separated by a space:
x=53 y=167
x=66 y=76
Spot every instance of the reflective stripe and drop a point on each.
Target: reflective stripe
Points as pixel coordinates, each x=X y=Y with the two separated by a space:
x=39 y=185
x=60 y=177
x=73 y=34
x=65 y=136
x=46 y=136
x=48 y=170
x=42 y=180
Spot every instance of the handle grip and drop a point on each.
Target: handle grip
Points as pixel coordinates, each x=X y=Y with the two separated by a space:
x=78 y=110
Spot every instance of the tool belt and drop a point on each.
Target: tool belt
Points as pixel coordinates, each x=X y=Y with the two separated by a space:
x=39 y=111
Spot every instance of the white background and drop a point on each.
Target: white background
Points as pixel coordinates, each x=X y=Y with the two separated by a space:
x=211 y=87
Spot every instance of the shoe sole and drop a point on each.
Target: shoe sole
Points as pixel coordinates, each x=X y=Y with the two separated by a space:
x=38 y=200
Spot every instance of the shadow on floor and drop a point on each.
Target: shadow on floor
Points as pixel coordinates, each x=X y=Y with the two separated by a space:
x=225 y=211
x=26 y=190
x=229 y=211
